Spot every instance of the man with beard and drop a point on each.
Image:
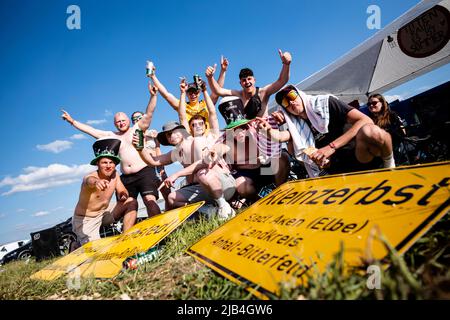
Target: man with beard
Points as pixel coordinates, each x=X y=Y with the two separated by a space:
x=137 y=177
x=253 y=98
x=96 y=193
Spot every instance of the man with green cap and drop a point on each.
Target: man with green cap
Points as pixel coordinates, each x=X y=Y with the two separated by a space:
x=96 y=192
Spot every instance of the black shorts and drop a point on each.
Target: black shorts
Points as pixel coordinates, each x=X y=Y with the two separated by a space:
x=259 y=180
x=143 y=182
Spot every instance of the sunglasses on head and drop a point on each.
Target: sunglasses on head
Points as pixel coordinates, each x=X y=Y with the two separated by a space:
x=290 y=96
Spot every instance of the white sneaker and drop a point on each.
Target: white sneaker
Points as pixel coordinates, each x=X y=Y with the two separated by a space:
x=226 y=211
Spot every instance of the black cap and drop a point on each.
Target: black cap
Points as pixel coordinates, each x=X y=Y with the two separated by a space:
x=283 y=92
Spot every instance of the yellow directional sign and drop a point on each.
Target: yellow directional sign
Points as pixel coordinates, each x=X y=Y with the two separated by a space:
x=103 y=258
x=72 y=260
x=278 y=239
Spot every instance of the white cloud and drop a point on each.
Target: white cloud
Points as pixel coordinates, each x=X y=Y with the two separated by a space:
x=20 y=210
x=393 y=98
x=78 y=136
x=108 y=113
x=37 y=178
x=41 y=213
x=94 y=122
x=56 y=146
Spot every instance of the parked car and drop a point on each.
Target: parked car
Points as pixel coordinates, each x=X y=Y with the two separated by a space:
x=65 y=238
x=8 y=247
x=24 y=252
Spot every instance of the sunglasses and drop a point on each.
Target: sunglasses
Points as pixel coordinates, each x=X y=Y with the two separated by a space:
x=290 y=96
x=372 y=103
x=136 y=118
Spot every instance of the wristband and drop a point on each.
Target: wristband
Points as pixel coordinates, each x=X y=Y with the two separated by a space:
x=332 y=145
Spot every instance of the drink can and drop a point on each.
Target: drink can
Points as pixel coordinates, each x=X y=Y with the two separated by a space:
x=149 y=68
x=130 y=264
x=197 y=82
x=140 y=134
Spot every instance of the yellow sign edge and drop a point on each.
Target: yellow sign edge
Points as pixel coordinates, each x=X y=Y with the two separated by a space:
x=402 y=247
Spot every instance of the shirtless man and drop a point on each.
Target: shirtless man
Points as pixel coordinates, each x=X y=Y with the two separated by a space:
x=210 y=183
x=96 y=192
x=251 y=168
x=194 y=106
x=136 y=175
x=152 y=145
x=253 y=98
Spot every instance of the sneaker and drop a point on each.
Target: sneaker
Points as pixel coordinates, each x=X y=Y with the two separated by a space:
x=226 y=212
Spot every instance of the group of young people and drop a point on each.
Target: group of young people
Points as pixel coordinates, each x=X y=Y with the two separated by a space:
x=322 y=132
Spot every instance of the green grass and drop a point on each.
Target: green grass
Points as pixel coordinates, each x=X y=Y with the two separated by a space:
x=422 y=273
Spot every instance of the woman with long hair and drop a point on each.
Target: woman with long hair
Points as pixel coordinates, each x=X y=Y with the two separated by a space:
x=385 y=118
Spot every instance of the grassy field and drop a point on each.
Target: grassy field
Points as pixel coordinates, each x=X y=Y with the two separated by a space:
x=423 y=273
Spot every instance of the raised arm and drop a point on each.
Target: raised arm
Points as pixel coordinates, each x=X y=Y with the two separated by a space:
x=213 y=120
x=146 y=119
x=171 y=99
x=84 y=127
x=221 y=80
x=182 y=104
x=216 y=89
x=282 y=79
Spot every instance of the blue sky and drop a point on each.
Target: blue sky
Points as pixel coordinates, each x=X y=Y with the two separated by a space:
x=100 y=69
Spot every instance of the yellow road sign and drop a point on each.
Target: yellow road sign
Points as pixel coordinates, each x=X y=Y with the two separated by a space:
x=278 y=238
x=103 y=258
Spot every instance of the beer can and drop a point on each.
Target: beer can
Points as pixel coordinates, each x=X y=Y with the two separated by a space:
x=149 y=68
x=130 y=264
x=140 y=134
x=197 y=82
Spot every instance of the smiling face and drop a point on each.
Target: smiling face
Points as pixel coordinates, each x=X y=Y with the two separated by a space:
x=174 y=137
x=375 y=105
x=106 y=167
x=193 y=95
x=197 y=126
x=121 y=121
x=248 y=84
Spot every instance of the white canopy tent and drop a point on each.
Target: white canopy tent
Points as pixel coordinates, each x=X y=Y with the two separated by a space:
x=415 y=43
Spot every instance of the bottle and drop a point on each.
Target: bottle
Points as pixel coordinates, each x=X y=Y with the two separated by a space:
x=140 y=134
x=149 y=68
x=197 y=82
x=132 y=263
